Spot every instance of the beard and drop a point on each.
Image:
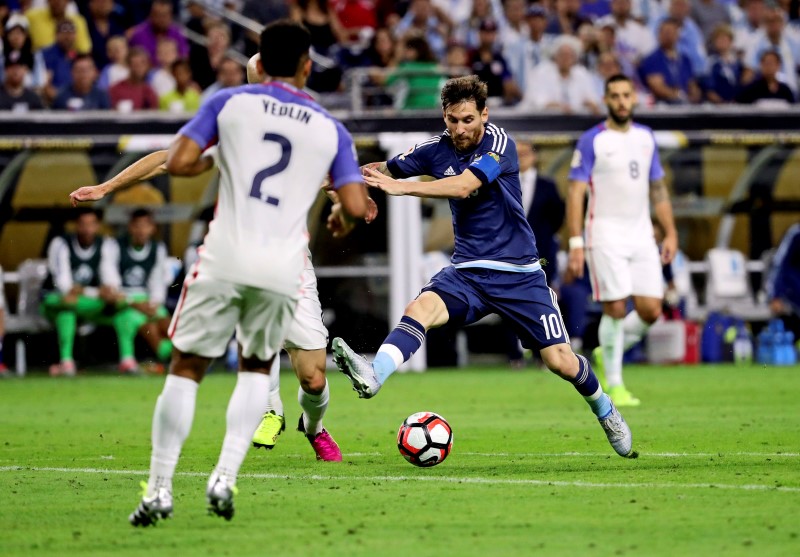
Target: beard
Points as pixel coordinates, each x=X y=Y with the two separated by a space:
x=620 y=120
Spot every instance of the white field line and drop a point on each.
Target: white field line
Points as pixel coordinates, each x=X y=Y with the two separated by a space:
x=433 y=479
x=720 y=454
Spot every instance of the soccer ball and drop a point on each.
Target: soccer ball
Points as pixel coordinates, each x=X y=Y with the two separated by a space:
x=425 y=439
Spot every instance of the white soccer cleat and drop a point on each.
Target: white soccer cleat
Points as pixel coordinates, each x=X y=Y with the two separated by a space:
x=356 y=368
x=618 y=433
x=152 y=509
x=219 y=494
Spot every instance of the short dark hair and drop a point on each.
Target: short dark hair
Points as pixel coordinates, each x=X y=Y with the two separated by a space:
x=141 y=213
x=465 y=89
x=81 y=58
x=771 y=52
x=81 y=211
x=284 y=46
x=616 y=78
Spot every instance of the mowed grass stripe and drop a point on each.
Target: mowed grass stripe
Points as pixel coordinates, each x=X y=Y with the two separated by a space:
x=434 y=479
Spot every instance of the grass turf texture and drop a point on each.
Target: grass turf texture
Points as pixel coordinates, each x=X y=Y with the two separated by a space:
x=719 y=470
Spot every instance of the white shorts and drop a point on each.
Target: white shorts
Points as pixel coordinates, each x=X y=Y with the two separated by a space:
x=618 y=272
x=211 y=309
x=307 y=331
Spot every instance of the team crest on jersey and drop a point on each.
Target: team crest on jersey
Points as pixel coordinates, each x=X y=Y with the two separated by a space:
x=404 y=155
x=577 y=159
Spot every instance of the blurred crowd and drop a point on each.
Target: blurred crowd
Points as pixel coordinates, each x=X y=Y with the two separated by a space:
x=534 y=54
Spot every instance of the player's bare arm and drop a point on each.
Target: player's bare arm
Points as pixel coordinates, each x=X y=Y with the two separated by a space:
x=147 y=167
x=575 y=197
x=453 y=187
x=662 y=207
x=186 y=158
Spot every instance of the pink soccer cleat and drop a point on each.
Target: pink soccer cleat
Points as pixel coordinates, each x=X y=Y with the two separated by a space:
x=322 y=443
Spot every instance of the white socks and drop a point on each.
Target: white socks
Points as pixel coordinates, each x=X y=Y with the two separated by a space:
x=245 y=410
x=610 y=336
x=633 y=329
x=314 y=407
x=172 y=421
x=275 y=402
x=616 y=336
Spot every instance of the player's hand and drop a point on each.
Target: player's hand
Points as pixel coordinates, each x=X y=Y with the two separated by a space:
x=372 y=210
x=338 y=223
x=370 y=166
x=669 y=247
x=375 y=179
x=87 y=193
x=576 y=260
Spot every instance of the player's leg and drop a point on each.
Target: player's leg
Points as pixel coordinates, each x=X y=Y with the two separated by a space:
x=648 y=294
x=263 y=323
x=273 y=423
x=201 y=327
x=126 y=323
x=3 y=368
x=446 y=296
x=525 y=301
x=313 y=396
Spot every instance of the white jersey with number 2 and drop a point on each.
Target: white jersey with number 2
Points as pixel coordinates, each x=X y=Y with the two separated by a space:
x=275 y=147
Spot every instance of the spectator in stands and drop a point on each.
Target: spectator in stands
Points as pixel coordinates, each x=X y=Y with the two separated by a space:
x=594 y=9
x=326 y=35
x=607 y=65
x=160 y=78
x=83 y=92
x=186 y=95
x=490 y=66
x=418 y=78
x=43 y=22
x=783 y=281
x=359 y=18
x=767 y=87
x=206 y=62
x=746 y=29
x=103 y=24
x=14 y=95
x=514 y=37
x=538 y=44
x=634 y=39
x=774 y=36
x=725 y=69
x=134 y=93
x=422 y=19
x=562 y=84
x=457 y=57
x=3 y=369
x=691 y=42
x=81 y=268
x=17 y=46
x=667 y=72
x=458 y=12
x=229 y=74
x=263 y=11
x=709 y=14
x=467 y=32
x=117 y=68
x=141 y=262
x=382 y=52
x=567 y=19
x=58 y=59
x=158 y=25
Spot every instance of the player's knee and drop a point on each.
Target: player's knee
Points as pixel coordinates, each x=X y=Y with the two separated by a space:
x=615 y=310
x=650 y=313
x=313 y=384
x=560 y=360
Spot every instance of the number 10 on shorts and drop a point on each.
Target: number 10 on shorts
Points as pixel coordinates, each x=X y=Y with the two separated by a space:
x=552 y=325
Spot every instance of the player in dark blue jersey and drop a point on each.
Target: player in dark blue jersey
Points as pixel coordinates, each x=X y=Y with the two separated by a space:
x=495 y=266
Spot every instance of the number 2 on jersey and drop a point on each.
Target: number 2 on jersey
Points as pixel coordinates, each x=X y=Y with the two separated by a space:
x=277 y=168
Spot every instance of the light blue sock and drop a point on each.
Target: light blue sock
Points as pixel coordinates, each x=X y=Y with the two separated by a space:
x=384 y=366
x=405 y=339
x=600 y=406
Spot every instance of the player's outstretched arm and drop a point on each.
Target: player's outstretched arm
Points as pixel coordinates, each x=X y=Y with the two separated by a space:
x=378 y=167
x=186 y=158
x=575 y=197
x=662 y=207
x=145 y=168
x=453 y=187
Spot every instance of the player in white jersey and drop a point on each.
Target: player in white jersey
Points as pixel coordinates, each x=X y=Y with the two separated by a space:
x=276 y=146
x=617 y=163
x=307 y=339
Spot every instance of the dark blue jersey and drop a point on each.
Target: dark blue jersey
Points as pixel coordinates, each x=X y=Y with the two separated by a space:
x=490 y=228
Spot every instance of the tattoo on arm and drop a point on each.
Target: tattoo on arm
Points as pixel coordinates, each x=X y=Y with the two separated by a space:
x=658 y=191
x=384 y=169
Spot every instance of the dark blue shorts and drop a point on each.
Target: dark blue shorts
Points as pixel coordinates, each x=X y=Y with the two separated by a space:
x=523 y=300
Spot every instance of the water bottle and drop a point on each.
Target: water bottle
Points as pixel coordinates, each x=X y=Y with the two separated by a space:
x=22 y=363
x=742 y=348
x=764 y=352
x=791 y=353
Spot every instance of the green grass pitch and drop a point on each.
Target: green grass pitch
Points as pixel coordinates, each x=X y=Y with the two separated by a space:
x=530 y=473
